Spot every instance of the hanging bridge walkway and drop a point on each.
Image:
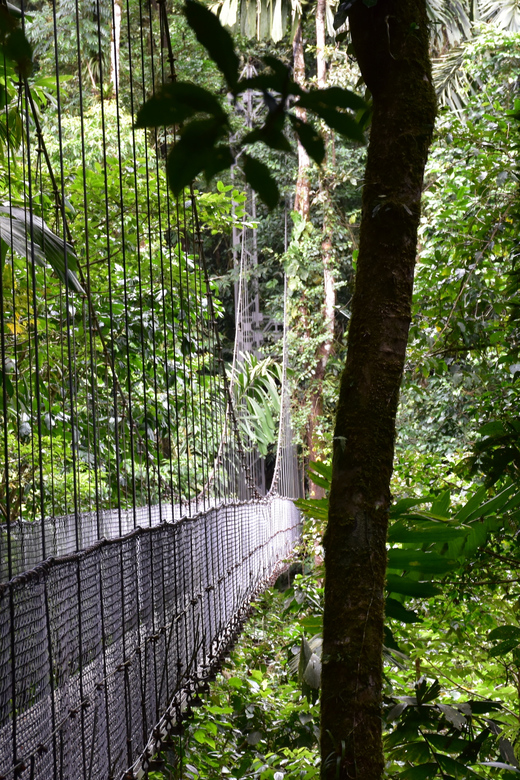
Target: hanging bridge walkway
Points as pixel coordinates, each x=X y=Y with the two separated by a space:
x=146 y=467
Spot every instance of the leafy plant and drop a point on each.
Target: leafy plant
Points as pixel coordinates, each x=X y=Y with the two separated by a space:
x=205 y=125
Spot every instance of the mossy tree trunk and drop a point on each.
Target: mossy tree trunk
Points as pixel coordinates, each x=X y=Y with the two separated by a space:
x=391 y=45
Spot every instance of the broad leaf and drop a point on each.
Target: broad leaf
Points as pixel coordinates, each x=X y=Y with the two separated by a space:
x=504 y=632
x=419 y=772
x=343 y=123
x=215 y=38
x=501 y=765
x=325 y=469
x=453 y=716
x=423 y=562
x=504 y=647
x=494 y=504
x=455 y=768
x=195 y=153
x=259 y=178
x=408 y=587
x=175 y=103
x=426 y=693
x=310 y=139
x=425 y=532
x=394 y=609
x=271 y=134
x=405 y=504
x=332 y=97
x=221 y=159
x=30 y=237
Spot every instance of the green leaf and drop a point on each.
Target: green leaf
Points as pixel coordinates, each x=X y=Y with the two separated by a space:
x=453 y=716
x=343 y=123
x=472 y=504
x=270 y=134
x=441 y=504
x=482 y=707
x=310 y=139
x=504 y=647
x=425 y=532
x=5 y=386
x=504 y=632
x=183 y=165
x=423 y=562
x=332 y=97
x=426 y=693
x=495 y=504
x=279 y=79
x=279 y=68
x=195 y=152
x=325 y=469
x=455 y=768
x=404 y=505
x=312 y=625
x=175 y=103
x=19 y=50
x=420 y=772
x=29 y=236
x=408 y=587
x=215 y=38
x=266 y=81
x=258 y=176
x=316 y=507
x=221 y=159
x=394 y=609
x=495 y=428
x=320 y=481
x=446 y=743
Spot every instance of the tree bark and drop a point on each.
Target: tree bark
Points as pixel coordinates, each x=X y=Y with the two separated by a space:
x=391 y=45
x=302 y=195
x=314 y=436
x=115 y=42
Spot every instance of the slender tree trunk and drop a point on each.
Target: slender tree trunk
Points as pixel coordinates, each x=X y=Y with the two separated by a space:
x=321 y=24
x=391 y=44
x=302 y=196
x=115 y=46
x=314 y=437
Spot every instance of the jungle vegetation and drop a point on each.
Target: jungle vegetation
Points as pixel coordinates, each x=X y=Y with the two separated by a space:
x=440 y=610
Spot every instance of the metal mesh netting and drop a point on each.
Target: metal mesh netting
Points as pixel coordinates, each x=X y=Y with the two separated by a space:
x=97 y=646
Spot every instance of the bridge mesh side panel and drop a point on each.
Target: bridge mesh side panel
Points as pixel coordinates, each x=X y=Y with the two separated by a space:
x=100 y=644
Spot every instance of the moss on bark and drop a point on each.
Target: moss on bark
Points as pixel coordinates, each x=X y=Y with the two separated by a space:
x=391 y=44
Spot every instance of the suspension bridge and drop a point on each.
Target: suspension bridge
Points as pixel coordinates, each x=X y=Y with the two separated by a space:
x=138 y=520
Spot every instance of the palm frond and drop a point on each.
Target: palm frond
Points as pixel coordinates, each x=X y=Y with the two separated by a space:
x=29 y=236
x=504 y=14
x=450 y=22
x=452 y=82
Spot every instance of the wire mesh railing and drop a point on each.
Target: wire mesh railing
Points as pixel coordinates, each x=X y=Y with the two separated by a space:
x=101 y=650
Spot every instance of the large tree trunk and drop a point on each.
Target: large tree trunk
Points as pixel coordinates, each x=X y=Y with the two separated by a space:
x=391 y=44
